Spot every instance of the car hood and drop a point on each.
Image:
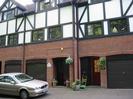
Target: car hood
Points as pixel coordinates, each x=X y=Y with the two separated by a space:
x=34 y=83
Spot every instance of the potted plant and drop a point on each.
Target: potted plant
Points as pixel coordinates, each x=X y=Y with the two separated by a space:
x=54 y=82
x=102 y=63
x=67 y=83
x=76 y=85
x=69 y=60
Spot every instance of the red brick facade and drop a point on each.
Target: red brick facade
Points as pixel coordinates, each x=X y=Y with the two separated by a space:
x=49 y=50
x=107 y=46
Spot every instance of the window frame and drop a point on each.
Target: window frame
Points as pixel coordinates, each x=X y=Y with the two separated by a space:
x=48 y=4
x=49 y=33
x=14 y=38
x=2 y=41
x=36 y=31
x=121 y=32
x=6 y=14
x=94 y=34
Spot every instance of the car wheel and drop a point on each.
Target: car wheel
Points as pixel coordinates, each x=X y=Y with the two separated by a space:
x=24 y=94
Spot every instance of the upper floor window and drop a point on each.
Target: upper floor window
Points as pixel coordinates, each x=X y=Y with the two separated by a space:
x=94 y=29
x=97 y=1
x=8 y=15
x=12 y=39
x=38 y=35
x=45 y=4
x=2 y=40
x=55 y=33
x=119 y=26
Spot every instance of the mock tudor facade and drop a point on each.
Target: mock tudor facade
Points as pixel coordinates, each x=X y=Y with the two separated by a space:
x=36 y=39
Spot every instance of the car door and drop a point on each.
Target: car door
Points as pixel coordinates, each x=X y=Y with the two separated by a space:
x=7 y=86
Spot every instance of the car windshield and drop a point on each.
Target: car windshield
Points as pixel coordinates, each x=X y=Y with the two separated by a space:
x=23 y=78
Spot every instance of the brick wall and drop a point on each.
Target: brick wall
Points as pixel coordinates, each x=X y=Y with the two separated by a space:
x=106 y=46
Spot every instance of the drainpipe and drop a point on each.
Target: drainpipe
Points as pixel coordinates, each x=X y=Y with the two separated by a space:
x=75 y=42
x=23 y=63
x=78 y=59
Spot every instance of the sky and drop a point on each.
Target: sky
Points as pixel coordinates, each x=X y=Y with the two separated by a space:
x=24 y=2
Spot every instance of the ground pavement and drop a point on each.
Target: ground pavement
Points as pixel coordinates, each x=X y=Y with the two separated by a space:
x=88 y=93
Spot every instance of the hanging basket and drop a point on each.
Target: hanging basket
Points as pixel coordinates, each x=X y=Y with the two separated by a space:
x=102 y=63
x=69 y=60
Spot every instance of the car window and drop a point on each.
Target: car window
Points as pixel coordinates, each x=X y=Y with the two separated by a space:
x=23 y=78
x=1 y=78
x=6 y=79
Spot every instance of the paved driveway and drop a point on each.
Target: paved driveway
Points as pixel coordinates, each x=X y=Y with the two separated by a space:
x=88 y=93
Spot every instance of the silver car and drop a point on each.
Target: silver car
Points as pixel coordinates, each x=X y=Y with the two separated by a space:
x=20 y=84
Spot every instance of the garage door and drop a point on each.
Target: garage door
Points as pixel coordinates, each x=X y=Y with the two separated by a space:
x=13 y=66
x=37 y=69
x=120 y=71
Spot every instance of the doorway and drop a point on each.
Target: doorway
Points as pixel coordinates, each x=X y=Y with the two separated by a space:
x=90 y=68
x=61 y=71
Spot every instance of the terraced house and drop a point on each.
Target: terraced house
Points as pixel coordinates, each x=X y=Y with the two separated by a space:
x=37 y=39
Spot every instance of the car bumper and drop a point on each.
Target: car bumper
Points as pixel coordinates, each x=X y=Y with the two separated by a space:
x=38 y=92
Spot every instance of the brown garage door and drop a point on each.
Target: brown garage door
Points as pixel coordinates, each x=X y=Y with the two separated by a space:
x=12 y=66
x=36 y=68
x=120 y=71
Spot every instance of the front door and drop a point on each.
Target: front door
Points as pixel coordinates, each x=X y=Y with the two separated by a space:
x=61 y=71
x=96 y=72
x=90 y=68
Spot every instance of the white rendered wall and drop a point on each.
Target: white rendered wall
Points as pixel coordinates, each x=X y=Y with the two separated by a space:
x=131 y=24
x=3 y=27
x=13 y=6
x=40 y=20
x=52 y=17
x=96 y=12
x=105 y=27
x=46 y=34
x=18 y=24
x=11 y=26
x=130 y=12
x=31 y=19
x=83 y=29
x=84 y=18
x=6 y=40
x=1 y=2
x=20 y=38
x=113 y=9
x=125 y=4
x=27 y=37
x=67 y=31
x=66 y=14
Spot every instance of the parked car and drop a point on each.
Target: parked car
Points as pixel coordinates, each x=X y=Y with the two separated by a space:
x=20 y=84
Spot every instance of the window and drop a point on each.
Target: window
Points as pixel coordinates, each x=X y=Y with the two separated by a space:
x=55 y=32
x=94 y=29
x=2 y=40
x=38 y=35
x=119 y=26
x=8 y=15
x=13 y=39
x=44 y=5
x=98 y=1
